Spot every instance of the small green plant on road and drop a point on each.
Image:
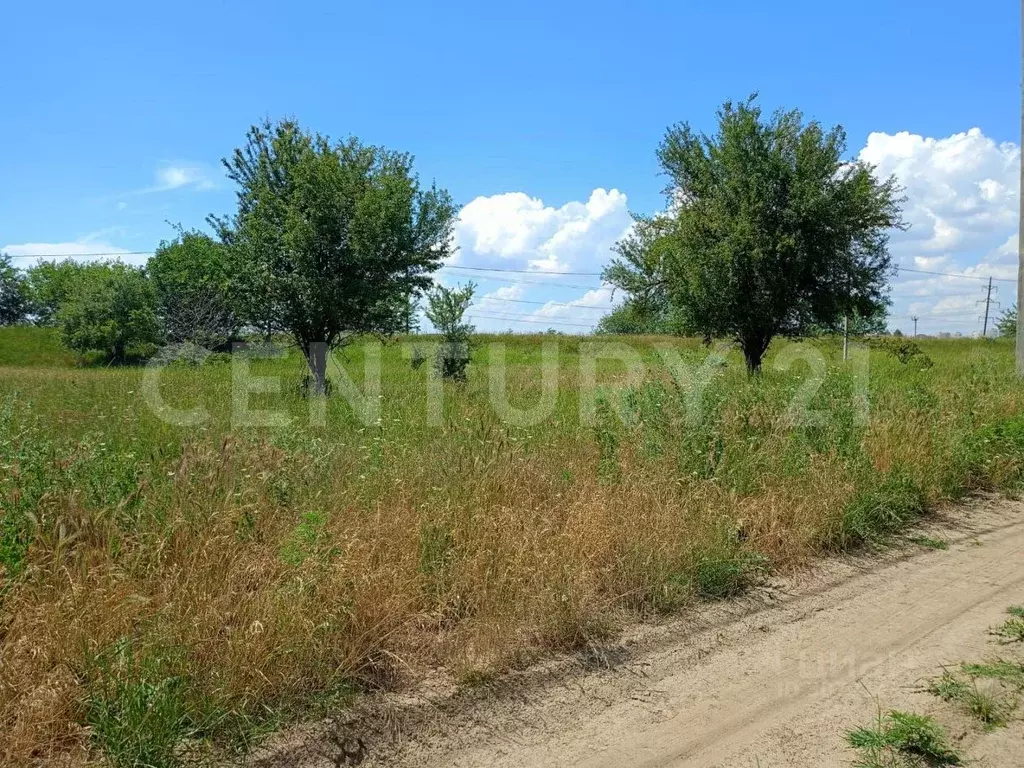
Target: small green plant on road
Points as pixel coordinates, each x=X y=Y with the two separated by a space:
x=899 y=739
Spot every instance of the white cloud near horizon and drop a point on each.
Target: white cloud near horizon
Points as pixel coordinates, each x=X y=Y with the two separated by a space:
x=961 y=190
x=963 y=209
x=514 y=230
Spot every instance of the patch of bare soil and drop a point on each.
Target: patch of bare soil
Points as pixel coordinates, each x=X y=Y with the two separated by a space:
x=773 y=679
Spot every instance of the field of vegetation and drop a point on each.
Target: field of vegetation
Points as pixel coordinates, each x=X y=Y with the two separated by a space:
x=170 y=590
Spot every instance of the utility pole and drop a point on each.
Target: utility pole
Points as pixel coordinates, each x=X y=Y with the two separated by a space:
x=846 y=330
x=914 y=317
x=1020 y=237
x=988 y=302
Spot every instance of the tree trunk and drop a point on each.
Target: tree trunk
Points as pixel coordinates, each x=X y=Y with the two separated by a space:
x=316 y=357
x=753 y=352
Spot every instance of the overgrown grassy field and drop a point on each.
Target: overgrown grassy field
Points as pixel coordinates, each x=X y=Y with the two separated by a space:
x=168 y=590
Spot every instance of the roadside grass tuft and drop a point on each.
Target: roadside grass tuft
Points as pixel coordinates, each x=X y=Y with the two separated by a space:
x=1011 y=630
x=902 y=739
x=929 y=542
x=980 y=690
x=1009 y=672
x=718 y=578
x=135 y=708
x=877 y=512
x=948 y=687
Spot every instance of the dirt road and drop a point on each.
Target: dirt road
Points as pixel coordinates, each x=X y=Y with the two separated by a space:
x=774 y=681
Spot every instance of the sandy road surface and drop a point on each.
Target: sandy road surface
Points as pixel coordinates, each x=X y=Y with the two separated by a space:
x=773 y=681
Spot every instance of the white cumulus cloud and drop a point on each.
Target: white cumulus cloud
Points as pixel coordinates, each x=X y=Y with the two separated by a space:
x=962 y=207
x=961 y=190
x=516 y=231
x=596 y=299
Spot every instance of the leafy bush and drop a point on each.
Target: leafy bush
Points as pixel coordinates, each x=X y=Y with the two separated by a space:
x=111 y=311
x=638 y=316
x=1006 y=323
x=903 y=349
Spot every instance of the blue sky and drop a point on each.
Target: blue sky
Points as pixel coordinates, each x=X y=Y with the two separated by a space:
x=542 y=118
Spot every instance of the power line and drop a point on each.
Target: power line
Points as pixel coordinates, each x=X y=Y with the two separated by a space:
x=78 y=255
x=952 y=274
x=521 y=281
x=515 y=281
x=545 y=303
x=525 y=319
x=951 y=312
x=520 y=271
x=97 y=254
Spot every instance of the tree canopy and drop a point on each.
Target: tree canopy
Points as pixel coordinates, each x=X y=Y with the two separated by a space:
x=192 y=278
x=769 y=231
x=1006 y=324
x=330 y=238
x=50 y=283
x=110 y=310
x=14 y=303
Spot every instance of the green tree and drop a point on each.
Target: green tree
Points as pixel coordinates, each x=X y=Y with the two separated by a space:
x=14 y=304
x=769 y=230
x=111 y=310
x=1006 y=325
x=49 y=283
x=330 y=238
x=192 y=278
x=446 y=309
x=410 y=313
x=638 y=272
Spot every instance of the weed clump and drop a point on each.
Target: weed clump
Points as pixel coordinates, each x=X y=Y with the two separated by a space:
x=905 y=350
x=135 y=707
x=991 y=707
x=1012 y=630
x=903 y=739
